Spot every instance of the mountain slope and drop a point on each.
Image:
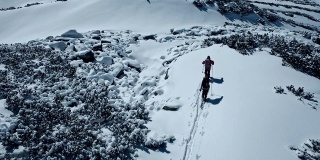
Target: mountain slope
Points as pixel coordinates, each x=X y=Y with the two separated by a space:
x=128 y=83
x=139 y=16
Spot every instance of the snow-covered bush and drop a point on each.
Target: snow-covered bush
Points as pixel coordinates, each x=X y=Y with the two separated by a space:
x=32 y=4
x=197 y=3
x=234 y=6
x=310 y=150
x=61 y=114
x=301 y=93
x=157 y=142
x=279 y=90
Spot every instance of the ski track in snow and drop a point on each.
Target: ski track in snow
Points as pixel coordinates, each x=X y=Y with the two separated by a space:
x=190 y=141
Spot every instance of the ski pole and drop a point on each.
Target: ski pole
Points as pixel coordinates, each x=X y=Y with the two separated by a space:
x=202 y=68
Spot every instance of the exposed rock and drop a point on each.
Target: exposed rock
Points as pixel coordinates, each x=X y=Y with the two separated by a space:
x=72 y=34
x=133 y=64
x=96 y=32
x=118 y=70
x=120 y=74
x=170 y=108
x=71 y=48
x=49 y=38
x=86 y=56
x=96 y=37
x=97 y=47
x=179 y=31
x=64 y=39
x=152 y=37
x=172 y=104
x=59 y=46
x=105 y=41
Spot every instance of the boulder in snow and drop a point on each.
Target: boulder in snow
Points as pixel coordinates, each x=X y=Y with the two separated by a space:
x=106 y=41
x=96 y=32
x=148 y=37
x=81 y=47
x=96 y=37
x=118 y=70
x=86 y=56
x=133 y=64
x=105 y=60
x=59 y=46
x=97 y=47
x=172 y=105
x=71 y=48
x=72 y=34
x=179 y=31
x=107 y=77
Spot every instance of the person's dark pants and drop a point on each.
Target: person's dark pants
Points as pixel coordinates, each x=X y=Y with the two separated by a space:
x=205 y=93
x=207 y=73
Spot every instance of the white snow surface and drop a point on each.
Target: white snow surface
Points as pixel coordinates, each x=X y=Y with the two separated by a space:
x=51 y=19
x=2 y=67
x=244 y=119
x=243 y=115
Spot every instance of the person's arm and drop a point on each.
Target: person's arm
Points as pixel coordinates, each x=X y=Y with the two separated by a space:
x=203 y=62
x=212 y=62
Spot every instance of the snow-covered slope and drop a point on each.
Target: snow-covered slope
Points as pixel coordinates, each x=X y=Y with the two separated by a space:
x=51 y=19
x=244 y=118
x=124 y=81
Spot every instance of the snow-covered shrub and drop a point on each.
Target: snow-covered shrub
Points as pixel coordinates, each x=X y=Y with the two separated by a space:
x=310 y=150
x=234 y=6
x=61 y=114
x=316 y=40
x=279 y=90
x=32 y=4
x=301 y=93
x=197 y=3
x=156 y=142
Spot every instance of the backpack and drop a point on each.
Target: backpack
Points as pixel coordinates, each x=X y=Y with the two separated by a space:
x=207 y=63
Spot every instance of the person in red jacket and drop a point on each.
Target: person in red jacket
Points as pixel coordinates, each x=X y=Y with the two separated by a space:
x=207 y=66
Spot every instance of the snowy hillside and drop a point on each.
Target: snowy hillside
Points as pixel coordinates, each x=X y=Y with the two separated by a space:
x=110 y=79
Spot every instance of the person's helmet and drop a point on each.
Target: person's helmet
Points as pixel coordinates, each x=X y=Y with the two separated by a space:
x=208 y=57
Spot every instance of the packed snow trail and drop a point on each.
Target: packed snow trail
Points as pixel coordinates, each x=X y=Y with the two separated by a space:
x=190 y=140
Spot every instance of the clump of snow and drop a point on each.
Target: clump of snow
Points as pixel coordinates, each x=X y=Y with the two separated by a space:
x=2 y=67
x=172 y=104
x=154 y=141
x=105 y=60
x=3 y=110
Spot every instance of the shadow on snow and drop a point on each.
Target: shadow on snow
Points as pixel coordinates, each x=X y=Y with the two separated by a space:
x=214 y=101
x=216 y=80
x=162 y=148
